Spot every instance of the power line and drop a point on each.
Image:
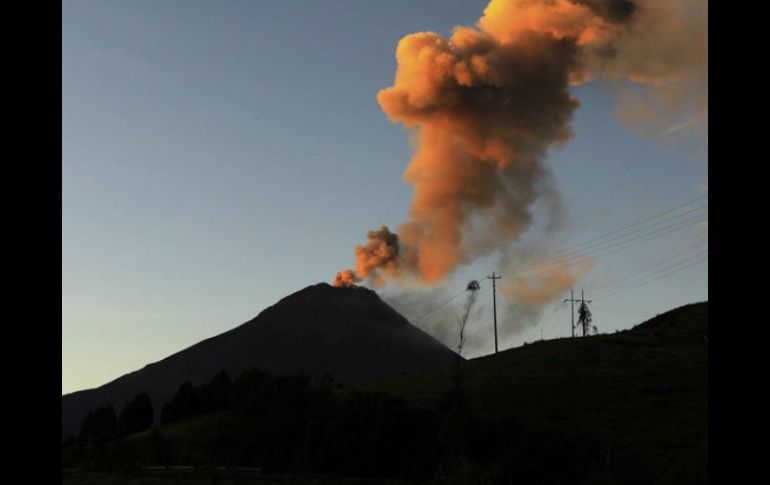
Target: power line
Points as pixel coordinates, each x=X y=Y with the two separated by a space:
x=585 y=245
x=442 y=305
x=596 y=246
x=657 y=269
x=626 y=311
x=660 y=261
x=572 y=301
x=555 y=311
x=660 y=274
x=652 y=217
x=609 y=247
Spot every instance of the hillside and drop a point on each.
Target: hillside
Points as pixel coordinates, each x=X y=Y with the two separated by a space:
x=642 y=392
x=347 y=332
x=641 y=395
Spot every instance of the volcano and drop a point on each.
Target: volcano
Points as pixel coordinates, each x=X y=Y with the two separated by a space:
x=347 y=332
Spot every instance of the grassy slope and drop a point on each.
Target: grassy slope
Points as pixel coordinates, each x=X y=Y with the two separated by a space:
x=642 y=392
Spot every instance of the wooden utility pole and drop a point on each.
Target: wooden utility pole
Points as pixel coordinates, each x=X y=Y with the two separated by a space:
x=494 y=304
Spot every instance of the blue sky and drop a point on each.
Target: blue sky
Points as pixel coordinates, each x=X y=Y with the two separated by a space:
x=217 y=156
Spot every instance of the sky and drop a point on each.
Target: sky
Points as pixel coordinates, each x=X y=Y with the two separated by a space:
x=218 y=156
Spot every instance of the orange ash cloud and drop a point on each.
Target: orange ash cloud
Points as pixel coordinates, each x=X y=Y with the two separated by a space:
x=376 y=260
x=543 y=284
x=378 y=257
x=345 y=278
x=508 y=20
x=485 y=105
x=485 y=113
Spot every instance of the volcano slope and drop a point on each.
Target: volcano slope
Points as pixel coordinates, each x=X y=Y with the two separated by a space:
x=349 y=333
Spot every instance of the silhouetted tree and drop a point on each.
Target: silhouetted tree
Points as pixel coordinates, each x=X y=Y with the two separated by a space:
x=159 y=448
x=100 y=424
x=124 y=456
x=166 y=414
x=473 y=291
x=191 y=400
x=584 y=318
x=457 y=429
x=136 y=415
x=186 y=403
x=294 y=424
x=216 y=393
x=248 y=383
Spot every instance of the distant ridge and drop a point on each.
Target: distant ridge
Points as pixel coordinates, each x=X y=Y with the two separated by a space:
x=348 y=332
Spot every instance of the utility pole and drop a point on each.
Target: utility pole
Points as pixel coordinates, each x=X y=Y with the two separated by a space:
x=494 y=304
x=572 y=299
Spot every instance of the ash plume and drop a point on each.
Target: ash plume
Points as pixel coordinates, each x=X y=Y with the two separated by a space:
x=378 y=258
x=345 y=278
x=528 y=292
x=486 y=104
x=418 y=305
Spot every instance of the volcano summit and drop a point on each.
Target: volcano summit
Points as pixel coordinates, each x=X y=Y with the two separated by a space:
x=348 y=332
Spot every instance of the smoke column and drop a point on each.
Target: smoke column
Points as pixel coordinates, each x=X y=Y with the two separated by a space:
x=487 y=103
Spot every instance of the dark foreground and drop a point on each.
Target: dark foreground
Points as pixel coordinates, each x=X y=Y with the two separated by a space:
x=74 y=477
x=628 y=408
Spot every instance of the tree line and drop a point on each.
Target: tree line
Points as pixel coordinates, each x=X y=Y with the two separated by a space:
x=303 y=425
x=103 y=424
